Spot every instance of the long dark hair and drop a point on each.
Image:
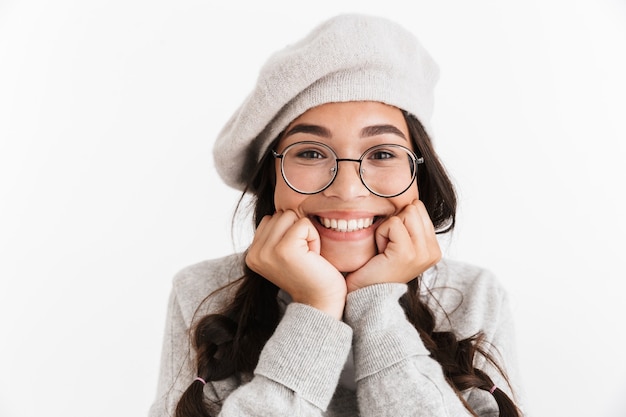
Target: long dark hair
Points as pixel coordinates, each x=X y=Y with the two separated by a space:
x=228 y=344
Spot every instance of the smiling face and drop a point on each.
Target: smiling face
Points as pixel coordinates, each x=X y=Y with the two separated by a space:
x=346 y=214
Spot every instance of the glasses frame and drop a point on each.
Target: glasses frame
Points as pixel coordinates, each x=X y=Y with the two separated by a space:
x=417 y=160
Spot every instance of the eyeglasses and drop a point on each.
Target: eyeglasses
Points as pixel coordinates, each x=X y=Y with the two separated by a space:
x=385 y=170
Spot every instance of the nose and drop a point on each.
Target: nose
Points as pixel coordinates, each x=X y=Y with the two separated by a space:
x=347 y=183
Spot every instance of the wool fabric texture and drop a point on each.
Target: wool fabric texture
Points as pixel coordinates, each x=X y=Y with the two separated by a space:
x=351 y=57
x=299 y=369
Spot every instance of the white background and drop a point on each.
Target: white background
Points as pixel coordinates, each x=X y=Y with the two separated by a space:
x=108 y=110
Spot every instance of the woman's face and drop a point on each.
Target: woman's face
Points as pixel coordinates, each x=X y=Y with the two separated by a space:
x=349 y=129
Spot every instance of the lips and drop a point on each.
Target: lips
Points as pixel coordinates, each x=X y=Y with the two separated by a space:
x=346 y=225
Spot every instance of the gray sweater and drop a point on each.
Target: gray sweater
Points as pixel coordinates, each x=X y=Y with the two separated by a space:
x=298 y=373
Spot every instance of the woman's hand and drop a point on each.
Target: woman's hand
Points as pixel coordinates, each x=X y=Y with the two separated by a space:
x=407 y=246
x=286 y=251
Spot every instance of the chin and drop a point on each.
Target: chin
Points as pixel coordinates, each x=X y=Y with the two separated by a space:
x=348 y=262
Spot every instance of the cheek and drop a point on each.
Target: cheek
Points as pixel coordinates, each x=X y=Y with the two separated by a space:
x=414 y=192
x=281 y=196
x=406 y=198
x=285 y=198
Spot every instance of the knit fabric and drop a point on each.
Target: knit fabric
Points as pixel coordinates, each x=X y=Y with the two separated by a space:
x=299 y=368
x=347 y=58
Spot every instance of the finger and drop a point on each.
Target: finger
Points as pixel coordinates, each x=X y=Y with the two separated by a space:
x=304 y=233
x=392 y=231
x=270 y=230
x=423 y=239
x=261 y=228
x=411 y=217
x=426 y=220
x=276 y=228
x=431 y=243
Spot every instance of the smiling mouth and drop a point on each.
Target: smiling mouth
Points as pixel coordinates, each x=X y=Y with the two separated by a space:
x=344 y=225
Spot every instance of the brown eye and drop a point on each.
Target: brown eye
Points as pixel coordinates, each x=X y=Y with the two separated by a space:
x=382 y=154
x=310 y=154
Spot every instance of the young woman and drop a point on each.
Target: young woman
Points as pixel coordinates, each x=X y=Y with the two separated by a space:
x=342 y=305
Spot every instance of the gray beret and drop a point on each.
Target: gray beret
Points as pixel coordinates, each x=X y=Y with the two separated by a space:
x=347 y=58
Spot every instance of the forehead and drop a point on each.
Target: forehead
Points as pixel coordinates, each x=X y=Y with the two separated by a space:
x=348 y=120
x=352 y=113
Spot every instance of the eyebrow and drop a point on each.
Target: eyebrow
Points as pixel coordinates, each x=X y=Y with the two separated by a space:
x=381 y=130
x=367 y=131
x=310 y=129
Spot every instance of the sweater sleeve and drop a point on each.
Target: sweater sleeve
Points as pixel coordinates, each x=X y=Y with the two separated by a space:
x=298 y=369
x=394 y=373
x=297 y=372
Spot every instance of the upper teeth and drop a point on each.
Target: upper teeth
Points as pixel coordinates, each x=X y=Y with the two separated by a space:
x=342 y=225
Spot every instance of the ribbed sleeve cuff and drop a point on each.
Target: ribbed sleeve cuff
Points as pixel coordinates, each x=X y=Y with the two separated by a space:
x=306 y=353
x=382 y=334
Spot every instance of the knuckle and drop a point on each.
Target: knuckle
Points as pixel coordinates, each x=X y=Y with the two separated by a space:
x=290 y=215
x=412 y=209
x=302 y=222
x=419 y=205
x=252 y=260
x=395 y=221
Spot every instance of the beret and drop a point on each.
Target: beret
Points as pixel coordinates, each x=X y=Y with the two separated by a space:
x=350 y=57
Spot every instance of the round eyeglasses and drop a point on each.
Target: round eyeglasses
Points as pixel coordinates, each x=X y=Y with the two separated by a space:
x=385 y=170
